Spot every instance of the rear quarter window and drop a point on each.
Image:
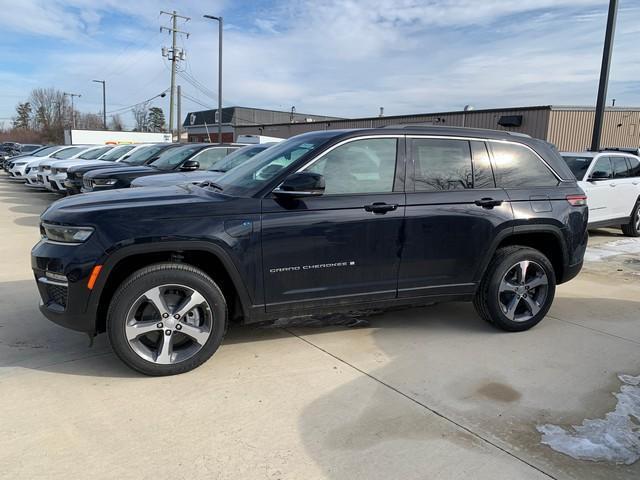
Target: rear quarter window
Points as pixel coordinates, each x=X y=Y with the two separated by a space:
x=518 y=167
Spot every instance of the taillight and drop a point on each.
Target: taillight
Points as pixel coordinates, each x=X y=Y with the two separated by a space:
x=577 y=200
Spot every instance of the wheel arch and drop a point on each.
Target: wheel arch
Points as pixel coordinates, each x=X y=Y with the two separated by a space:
x=547 y=239
x=210 y=258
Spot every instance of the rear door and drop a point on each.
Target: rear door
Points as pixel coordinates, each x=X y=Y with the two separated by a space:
x=454 y=213
x=343 y=246
x=625 y=192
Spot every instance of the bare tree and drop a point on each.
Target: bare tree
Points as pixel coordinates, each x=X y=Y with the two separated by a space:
x=141 y=117
x=116 y=123
x=50 y=107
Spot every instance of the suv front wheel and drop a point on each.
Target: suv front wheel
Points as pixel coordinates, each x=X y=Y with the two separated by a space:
x=517 y=290
x=166 y=319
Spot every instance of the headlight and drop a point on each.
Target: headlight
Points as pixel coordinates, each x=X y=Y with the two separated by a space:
x=65 y=233
x=99 y=182
x=58 y=170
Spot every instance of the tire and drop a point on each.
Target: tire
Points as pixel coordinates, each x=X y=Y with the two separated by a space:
x=632 y=229
x=494 y=301
x=158 y=345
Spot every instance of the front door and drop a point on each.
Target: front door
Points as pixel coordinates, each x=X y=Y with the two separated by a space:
x=453 y=216
x=600 y=191
x=343 y=246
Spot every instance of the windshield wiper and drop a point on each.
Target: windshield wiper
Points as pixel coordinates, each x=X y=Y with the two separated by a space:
x=217 y=170
x=210 y=184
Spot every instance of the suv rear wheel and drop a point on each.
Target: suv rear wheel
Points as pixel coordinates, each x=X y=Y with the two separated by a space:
x=166 y=319
x=632 y=229
x=517 y=290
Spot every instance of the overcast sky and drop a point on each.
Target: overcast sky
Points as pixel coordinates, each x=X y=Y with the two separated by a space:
x=333 y=57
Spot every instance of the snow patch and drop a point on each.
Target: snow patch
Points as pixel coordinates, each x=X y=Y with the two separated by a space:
x=598 y=253
x=616 y=438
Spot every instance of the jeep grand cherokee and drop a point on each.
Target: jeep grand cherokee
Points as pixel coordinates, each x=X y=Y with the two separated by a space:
x=325 y=221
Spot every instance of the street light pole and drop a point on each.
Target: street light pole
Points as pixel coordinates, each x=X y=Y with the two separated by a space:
x=219 y=19
x=604 y=75
x=104 y=102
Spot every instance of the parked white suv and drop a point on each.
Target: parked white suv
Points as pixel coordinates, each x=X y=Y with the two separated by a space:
x=611 y=180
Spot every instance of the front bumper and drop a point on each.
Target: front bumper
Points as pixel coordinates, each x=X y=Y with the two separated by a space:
x=56 y=182
x=64 y=302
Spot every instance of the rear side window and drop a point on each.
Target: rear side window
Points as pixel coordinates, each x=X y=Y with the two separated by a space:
x=442 y=164
x=210 y=157
x=518 y=167
x=620 y=168
x=634 y=165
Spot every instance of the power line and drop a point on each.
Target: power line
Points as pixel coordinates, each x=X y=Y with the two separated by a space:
x=128 y=107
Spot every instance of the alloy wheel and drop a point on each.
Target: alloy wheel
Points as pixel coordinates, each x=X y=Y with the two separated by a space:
x=168 y=324
x=523 y=291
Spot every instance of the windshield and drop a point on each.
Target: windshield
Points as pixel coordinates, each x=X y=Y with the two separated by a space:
x=578 y=165
x=254 y=174
x=29 y=148
x=94 y=153
x=116 y=153
x=68 y=152
x=238 y=157
x=143 y=155
x=175 y=156
x=45 y=151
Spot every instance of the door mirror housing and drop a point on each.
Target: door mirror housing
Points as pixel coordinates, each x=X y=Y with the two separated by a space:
x=599 y=175
x=301 y=184
x=190 y=165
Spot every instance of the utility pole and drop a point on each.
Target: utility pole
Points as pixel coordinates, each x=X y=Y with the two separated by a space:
x=179 y=119
x=73 y=111
x=174 y=54
x=219 y=20
x=604 y=75
x=104 y=102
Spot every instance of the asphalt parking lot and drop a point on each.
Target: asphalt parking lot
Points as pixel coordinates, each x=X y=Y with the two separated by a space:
x=420 y=393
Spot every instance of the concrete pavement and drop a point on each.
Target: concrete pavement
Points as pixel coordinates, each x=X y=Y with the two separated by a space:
x=423 y=393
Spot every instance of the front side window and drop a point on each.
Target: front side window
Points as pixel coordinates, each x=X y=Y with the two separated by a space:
x=442 y=164
x=210 y=157
x=360 y=166
x=602 y=168
x=518 y=167
x=620 y=169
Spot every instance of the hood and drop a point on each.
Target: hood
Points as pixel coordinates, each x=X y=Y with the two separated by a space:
x=129 y=207
x=36 y=162
x=178 y=178
x=73 y=162
x=93 y=165
x=131 y=169
x=23 y=160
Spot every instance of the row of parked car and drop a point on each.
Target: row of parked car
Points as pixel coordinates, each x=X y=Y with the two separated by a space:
x=74 y=169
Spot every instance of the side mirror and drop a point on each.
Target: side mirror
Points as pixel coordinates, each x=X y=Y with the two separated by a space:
x=302 y=184
x=190 y=165
x=599 y=175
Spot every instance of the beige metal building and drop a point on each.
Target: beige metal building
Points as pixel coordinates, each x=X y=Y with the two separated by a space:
x=569 y=128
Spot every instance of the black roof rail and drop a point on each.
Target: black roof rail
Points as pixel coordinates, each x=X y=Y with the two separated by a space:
x=407 y=126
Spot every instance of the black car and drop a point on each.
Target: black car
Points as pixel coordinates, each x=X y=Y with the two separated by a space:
x=125 y=156
x=189 y=157
x=219 y=168
x=322 y=222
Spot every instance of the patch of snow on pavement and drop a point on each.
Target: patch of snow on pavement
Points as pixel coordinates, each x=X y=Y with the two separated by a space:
x=616 y=438
x=610 y=249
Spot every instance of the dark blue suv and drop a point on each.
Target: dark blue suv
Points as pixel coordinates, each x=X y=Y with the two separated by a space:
x=323 y=222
